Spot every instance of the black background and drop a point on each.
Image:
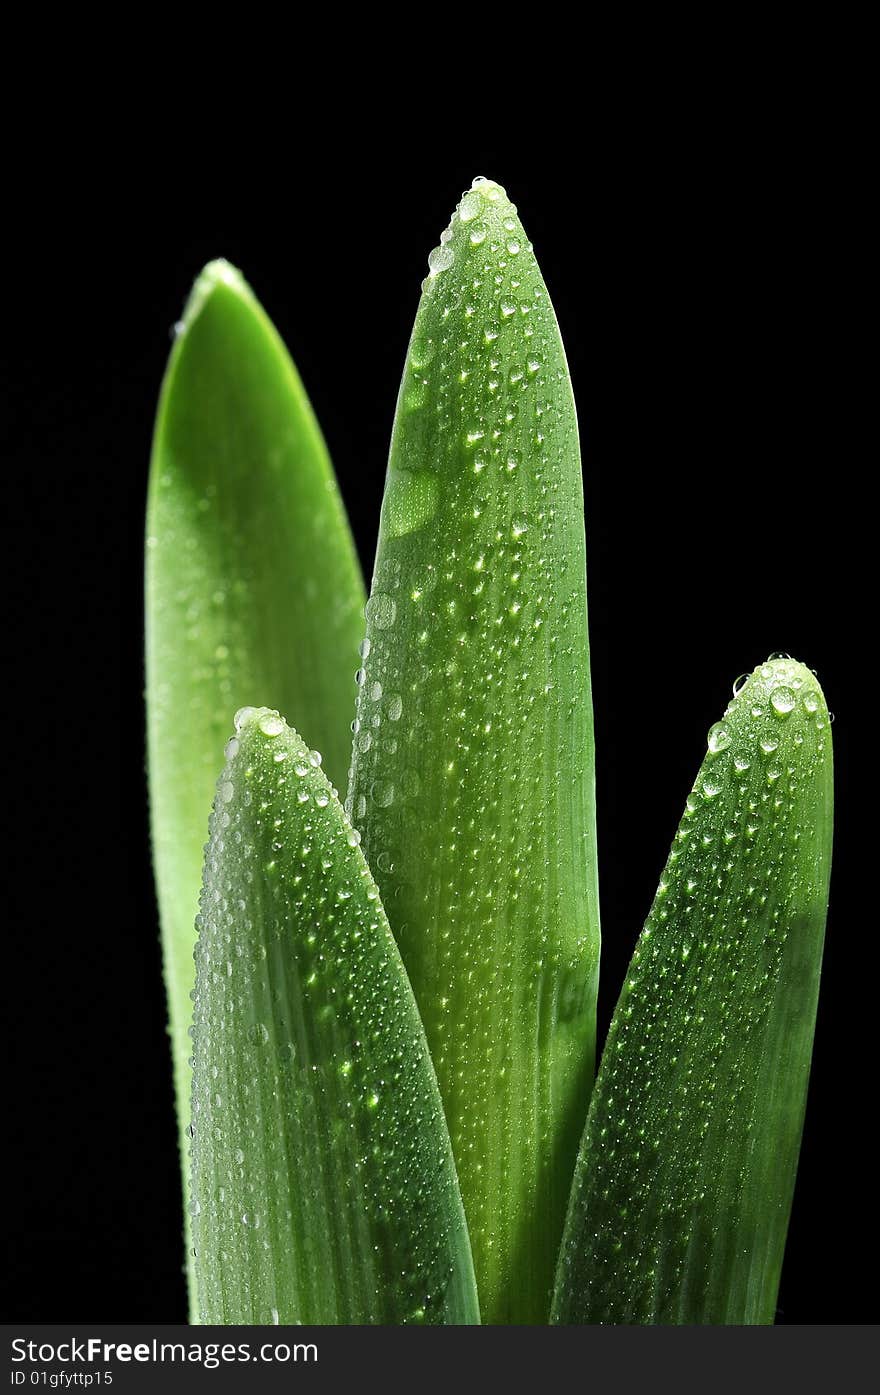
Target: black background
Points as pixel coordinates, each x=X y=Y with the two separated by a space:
x=702 y=251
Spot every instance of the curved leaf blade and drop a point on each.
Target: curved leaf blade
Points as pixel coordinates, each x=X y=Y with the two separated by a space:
x=323 y=1184
x=472 y=776
x=683 y=1187
x=244 y=524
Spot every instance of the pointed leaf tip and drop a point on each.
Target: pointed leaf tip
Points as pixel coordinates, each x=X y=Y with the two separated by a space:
x=215 y=275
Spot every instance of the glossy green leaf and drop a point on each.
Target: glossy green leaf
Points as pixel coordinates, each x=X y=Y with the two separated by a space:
x=683 y=1187
x=244 y=528
x=323 y=1184
x=472 y=769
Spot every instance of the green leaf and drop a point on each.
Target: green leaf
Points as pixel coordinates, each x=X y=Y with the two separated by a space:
x=244 y=526
x=684 y=1181
x=323 y=1184
x=472 y=770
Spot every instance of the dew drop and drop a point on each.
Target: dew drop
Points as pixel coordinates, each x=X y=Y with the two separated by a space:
x=271 y=724
x=381 y=611
x=230 y=750
x=383 y=793
x=441 y=258
x=243 y=715
x=782 y=701
x=718 y=739
x=469 y=207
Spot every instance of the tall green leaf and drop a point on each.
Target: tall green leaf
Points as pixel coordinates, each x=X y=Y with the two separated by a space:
x=472 y=768
x=323 y=1184
x=683 y=1187
x=244 y=525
